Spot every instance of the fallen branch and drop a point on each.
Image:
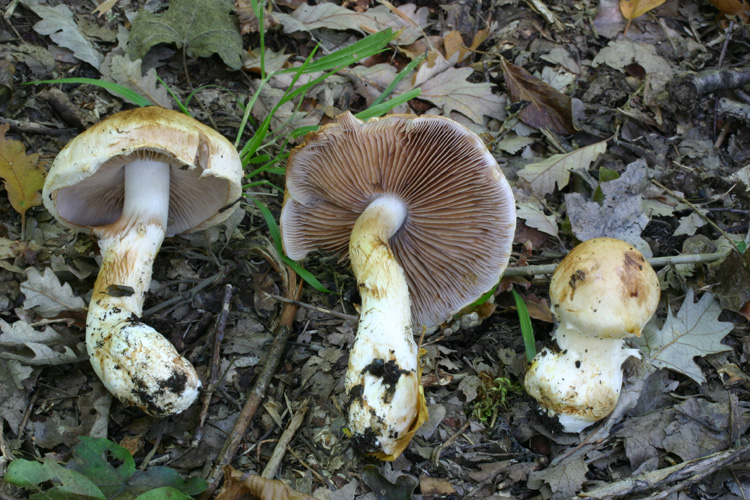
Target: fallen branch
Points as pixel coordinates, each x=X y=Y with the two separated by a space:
x=687 y=90
x=670 y=479
x=693 y=258
x=272 y=467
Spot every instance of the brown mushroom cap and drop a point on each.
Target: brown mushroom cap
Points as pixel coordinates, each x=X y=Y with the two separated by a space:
x=85 y=189
x=456 y=239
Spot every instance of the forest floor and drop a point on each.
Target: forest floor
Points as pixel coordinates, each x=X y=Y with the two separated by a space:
x=590 y=120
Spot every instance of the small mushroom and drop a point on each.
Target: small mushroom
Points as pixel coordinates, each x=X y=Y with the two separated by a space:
x=603 y=291
x=428 y=220
x=130 y=180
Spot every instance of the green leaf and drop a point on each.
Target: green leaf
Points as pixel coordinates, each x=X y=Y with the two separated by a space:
x=202 y=27
x=526 y=329
x=273 y=228
x=92 y=474
x=165 y=493
x=66 y=484
x=125 y=92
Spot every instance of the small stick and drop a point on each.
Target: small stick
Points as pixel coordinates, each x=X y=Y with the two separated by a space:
x=686 y=91
x=435 y=458
x=695 y=258
x=314 y=308
x=256 y=393
x=272 y=467
x=700 y=214
x=315 y=473
x=213 y=382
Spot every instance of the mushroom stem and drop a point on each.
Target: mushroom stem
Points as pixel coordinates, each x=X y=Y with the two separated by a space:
x=134 y=361
x=382 y=376
x=581 y=383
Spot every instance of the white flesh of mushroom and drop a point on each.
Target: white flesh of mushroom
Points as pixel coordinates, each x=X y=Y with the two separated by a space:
x=580 y=383
x=134 y=361
x=382 y=376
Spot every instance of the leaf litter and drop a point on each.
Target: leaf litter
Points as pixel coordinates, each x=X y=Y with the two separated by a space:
x=580 y=122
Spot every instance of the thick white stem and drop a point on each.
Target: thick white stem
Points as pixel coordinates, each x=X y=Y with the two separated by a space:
x=134 y=361
x=382 y=377
x=581 y=383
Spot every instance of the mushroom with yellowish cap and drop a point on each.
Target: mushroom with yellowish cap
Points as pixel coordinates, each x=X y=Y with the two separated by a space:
x=130 y=180
x=603 y=291
x=428 y=220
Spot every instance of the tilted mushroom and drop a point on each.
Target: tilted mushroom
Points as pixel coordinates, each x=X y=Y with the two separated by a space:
x=603 y=291
x=428 y=220
x=130 y=180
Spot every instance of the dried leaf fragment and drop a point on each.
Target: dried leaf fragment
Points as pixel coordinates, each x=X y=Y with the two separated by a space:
x=694 y=331
x=548 y=108
x=556 y=169
x=739 y=8
x=253 y=487
x=22 y=176
x=635 y=8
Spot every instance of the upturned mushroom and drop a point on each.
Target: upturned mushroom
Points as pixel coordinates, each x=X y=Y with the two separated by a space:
x=428 y=220
x=130 y=180
x=603 y=291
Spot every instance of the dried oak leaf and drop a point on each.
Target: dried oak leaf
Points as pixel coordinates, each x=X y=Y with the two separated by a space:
x=202 y=27
x=58 y=22
x=450 y=91
x=239 y=486
x=694 y=331
x=47 y=296
x=547 y=108
x=22 y=176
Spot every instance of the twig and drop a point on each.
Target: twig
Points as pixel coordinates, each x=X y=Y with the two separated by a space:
x=314 y=308
x=693 y=258
x=262 y=381
x=213 y=382
x=315 y=473
x=35 y=128
x=435 y=458
x=680 y=475
x=700 y=214
x=687 y=91
x=188 y=294
x=272 y=467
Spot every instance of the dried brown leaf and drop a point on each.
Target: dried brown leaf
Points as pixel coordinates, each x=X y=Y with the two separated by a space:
x=739 y=8
x=635 y=8
x=239 y=486
x=547 y=108
x=22 y=176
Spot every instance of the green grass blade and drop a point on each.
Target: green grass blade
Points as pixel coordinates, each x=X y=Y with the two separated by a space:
x=176 y=99
x=401 y=75
x=273 y=229
x=388 y=105
x=526 y=329
x=124 y=92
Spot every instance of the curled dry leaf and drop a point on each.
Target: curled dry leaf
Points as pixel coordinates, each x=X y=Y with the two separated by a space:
x=243 y=486
x=739 y=8
x=22 y=176
x=547 y=108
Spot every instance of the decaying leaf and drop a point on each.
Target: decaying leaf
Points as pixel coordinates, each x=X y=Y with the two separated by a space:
x=13 y=399
x=733 y=282
x=128 y=73
x=22 y=342
x=238 y=486
x=694 y=331
x=58 y=22
x=22 y=176
x=739 y=8
x=202 y=27
x=408 y=21
x=563 y=479
x=632 y=9
x=401 y=489
x=533 y=214
x=556 y=169
x=450 y=91
x=47 y=296
x=619 y=215
x=547 y=108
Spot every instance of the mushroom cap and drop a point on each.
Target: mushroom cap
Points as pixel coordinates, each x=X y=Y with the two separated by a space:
x=456 y=239
x=604 y=288
x=84 y=187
